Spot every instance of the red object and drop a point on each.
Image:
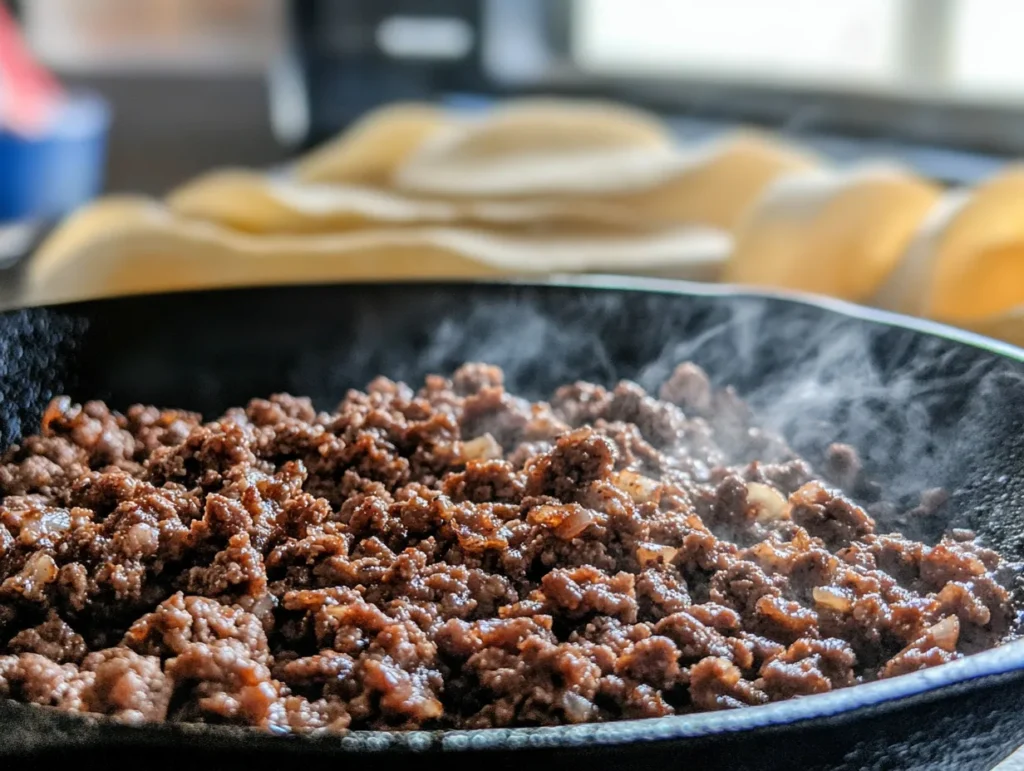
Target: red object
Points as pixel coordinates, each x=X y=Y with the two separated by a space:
x=28 y=92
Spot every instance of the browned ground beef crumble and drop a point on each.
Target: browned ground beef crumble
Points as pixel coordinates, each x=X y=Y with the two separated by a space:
x=457 y=557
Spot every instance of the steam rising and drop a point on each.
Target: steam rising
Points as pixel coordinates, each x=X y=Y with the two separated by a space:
x=922 y=411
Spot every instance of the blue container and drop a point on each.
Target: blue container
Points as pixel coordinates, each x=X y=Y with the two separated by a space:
x=49 y=175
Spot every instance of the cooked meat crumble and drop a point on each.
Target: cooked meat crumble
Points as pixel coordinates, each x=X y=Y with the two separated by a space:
x=458 y=557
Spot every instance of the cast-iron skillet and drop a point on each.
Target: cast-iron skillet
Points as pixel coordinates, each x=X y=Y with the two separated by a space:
x=926 y=405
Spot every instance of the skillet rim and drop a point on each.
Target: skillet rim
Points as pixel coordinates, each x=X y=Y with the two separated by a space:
x=599 y=281
x=1004 y=661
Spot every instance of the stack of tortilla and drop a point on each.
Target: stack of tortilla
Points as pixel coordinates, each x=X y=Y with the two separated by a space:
x=417 y=192
x=540 y=187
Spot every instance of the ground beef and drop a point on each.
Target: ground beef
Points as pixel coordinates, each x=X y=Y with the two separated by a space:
x=458 y=557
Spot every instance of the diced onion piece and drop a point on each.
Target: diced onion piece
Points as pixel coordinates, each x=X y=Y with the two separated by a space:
x=142 y=538
x=566 y=521
x=263 y=606
x=36 y=525
x=832 y=598
x=576 y=521
x=945 y=634
x=769 y=504
x=483 y=447
x=638 y=487
x=652 y=553
x=40 y=569
x=546 y=515
x=577 y=709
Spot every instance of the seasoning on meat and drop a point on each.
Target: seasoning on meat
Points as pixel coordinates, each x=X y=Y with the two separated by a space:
x=457 y=557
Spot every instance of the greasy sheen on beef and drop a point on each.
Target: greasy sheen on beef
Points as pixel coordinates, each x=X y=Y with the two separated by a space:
x=458 y=557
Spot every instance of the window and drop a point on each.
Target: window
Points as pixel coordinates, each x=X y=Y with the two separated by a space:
x=803 y=40
x=934 y=48
x=987 y=50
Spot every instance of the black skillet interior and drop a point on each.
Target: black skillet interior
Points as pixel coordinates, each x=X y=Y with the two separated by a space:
x=925 y=411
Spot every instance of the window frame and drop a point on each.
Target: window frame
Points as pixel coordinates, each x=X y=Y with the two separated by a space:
x=920 y=109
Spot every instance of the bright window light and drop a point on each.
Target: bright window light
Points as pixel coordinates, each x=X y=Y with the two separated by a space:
x=801 y=40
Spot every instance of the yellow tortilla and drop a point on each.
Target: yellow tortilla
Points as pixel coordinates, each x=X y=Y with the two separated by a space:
x=710 y=183
x=149 y=249
x=965 y=266
x=829 y=232
x=369 y=151
x=256 y=203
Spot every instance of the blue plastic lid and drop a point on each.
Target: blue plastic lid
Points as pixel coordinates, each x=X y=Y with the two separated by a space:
x=77 y=116
x=59 y=169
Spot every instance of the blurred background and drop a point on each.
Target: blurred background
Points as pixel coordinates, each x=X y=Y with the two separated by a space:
x=194 y=84
x=885 y=166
